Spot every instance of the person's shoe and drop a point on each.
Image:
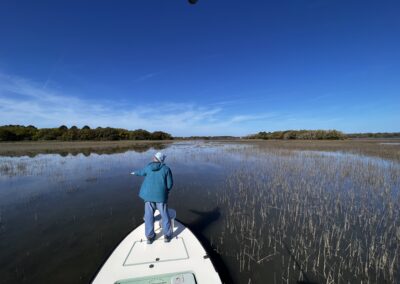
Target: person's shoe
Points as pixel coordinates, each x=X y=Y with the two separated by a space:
x=167 y=239
x=150 y=241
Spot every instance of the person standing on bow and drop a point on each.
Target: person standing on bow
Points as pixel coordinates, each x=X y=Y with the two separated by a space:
x=154 y=191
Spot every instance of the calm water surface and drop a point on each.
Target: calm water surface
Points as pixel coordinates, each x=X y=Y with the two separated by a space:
x=61 y=216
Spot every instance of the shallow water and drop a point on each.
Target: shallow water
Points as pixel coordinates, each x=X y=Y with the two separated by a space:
x=61 y=216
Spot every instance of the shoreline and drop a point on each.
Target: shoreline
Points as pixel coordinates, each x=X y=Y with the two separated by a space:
x=32 y=148
x=384 y=148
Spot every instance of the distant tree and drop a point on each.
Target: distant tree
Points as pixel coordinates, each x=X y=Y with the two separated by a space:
x=139 y=134
x=334 y=135
x=289 y=135
x=87 y=134
x=277 y=135
x=159 y=135
x=46 y=134
x=374 y=135
x=7 y=135
x=20 y=132
x=123 y=134
x=17 y=132
x=299 y=134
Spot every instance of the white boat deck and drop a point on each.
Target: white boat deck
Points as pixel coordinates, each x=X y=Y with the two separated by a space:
x=134 y=259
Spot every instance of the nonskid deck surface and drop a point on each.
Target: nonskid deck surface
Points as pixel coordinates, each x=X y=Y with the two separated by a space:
x=135 y=261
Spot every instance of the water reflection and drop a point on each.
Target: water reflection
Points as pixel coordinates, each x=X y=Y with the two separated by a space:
x=62 y=215
x=84 y=148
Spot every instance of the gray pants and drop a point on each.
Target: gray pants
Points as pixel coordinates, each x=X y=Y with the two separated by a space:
x=149 y=208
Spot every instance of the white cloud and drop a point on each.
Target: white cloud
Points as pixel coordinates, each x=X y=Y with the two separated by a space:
x=242 y=118
x=26 y=102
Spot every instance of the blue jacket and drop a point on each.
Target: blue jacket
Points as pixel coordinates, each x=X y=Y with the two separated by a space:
x=157 y=182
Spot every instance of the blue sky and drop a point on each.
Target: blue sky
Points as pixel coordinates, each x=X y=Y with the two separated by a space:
x=215 y=68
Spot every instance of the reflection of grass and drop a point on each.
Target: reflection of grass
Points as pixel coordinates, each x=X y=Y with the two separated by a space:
x=91 y=179
x=8 y=168
x=72 y=189
x=5 y=168
x=76 y=147
x=302 y=215
x=21 y=167
x=326 y=218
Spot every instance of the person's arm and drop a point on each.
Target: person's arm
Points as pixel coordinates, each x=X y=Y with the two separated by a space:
x=141 y=172
x=170 y=180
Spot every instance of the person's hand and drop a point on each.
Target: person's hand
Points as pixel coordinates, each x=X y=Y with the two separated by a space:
x=132 y=173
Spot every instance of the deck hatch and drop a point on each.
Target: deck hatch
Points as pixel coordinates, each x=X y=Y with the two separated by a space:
x=142 y=253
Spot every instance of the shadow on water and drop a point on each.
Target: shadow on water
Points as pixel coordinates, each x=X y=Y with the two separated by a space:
x=198 y=227
x=205 y=219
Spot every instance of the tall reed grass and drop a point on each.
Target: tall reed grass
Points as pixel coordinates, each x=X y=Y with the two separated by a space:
x=325 y=218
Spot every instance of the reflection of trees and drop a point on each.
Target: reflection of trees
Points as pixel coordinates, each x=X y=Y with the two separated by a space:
x=87 y=151
x=159 y=146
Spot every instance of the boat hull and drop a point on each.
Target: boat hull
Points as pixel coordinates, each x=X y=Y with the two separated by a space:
x=134 y=260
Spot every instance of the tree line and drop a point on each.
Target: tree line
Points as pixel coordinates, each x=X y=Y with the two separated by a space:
x=300 y=134
x=207 y=138
x=63 y=133
x=375 y=135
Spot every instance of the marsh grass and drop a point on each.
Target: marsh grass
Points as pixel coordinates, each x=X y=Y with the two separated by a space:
x=381 y=148
x=325 y=211
x=325 y=218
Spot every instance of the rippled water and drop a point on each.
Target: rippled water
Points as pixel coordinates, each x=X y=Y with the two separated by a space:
x=61 y=216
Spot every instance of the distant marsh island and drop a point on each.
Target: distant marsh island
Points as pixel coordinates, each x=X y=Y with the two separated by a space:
x=63 y=133
x=319 y=135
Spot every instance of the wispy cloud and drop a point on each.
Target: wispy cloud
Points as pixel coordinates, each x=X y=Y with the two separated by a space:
x=146 y=77
x=245 y=118
x=26 y=102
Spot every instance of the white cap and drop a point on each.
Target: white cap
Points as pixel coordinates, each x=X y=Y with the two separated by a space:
x=160 y=157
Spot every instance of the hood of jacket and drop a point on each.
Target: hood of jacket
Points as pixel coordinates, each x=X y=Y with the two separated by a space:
x=156 y=166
